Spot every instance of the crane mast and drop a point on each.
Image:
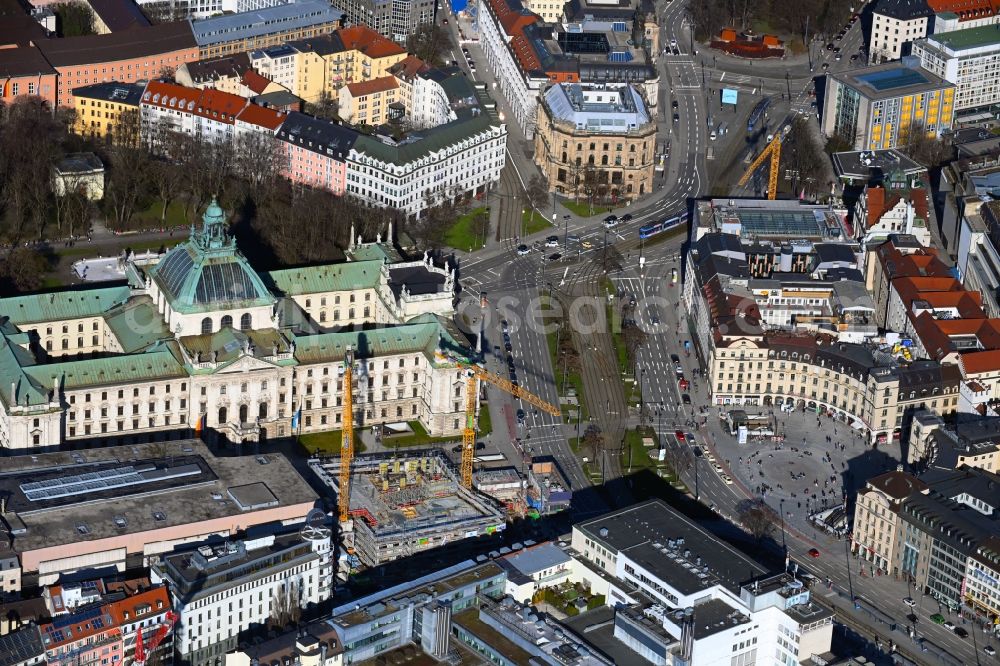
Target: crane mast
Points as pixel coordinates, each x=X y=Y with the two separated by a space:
x=143 y=651
x=469 y=434
x=347 y=439
x=772 y=150
x=477 y=373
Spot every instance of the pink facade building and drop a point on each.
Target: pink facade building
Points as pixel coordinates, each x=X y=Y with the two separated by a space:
x=105 y=634
x=315 y=152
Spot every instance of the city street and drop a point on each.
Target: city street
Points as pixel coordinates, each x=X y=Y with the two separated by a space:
x=513 y=283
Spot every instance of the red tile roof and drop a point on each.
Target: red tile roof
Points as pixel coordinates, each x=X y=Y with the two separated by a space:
x=137 y=43
x=254 y=81
x=877 y=205
x=408 y=67
x=918 y=196
x=968 y=303
x=880 y=202
x=208 y=103
x=170 y=95
x=981 y=362
x=220 y=105
x=966 y=9
x=262 y=117
x=381 y=84
x=924 y=262
x=372 y=44
x=514 y=20
x=151 y=602
x=73 y=628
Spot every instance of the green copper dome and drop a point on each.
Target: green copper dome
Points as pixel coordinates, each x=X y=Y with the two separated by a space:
x=208 y=272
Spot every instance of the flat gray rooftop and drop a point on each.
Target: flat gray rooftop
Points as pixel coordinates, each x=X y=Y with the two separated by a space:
x=108 y=513
x=643 y=532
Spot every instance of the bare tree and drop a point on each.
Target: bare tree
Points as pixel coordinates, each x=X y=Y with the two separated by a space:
x=592 y=444
x=927 y=149
x=22 y=270
x=802 y=156
x=126 y=132
x=757 y=517
x=73 y=206
x=29 y=145
x=536 y=193
x=258 y=158
x=327 y=106
x=429 y=42
x=285 y=609
x=127 y=180
x=167 y=179
x=634 y=339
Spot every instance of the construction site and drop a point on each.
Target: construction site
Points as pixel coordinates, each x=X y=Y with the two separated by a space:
x=401 y=505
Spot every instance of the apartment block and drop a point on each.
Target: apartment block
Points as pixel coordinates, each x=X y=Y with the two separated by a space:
x=222 y=589
x=968 y=58
x=876 y=517
x=372 y=102
x=394 y=20
x=256 y=29
x=881 y=106
x=99 y=106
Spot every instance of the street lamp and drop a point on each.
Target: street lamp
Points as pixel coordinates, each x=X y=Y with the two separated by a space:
x=781 y=507
x=642 y=397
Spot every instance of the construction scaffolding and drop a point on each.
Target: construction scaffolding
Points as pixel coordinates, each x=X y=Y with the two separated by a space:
x=404 y=504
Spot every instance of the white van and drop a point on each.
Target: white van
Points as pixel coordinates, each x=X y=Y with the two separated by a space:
x=711 y=137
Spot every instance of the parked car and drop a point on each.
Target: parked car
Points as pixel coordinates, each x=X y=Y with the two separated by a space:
x=937 y=618
x=727 y=479
x=961 y=632
x=949 y=625
x=909 y=602
x=718 y=468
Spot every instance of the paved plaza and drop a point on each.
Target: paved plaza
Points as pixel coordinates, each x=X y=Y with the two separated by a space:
x=819 y=461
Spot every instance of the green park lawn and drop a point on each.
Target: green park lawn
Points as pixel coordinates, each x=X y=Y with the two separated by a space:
x=467 y=232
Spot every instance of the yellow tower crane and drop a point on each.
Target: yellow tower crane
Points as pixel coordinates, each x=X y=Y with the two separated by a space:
x=347 y=439
x=478 y=373
x=772 y=150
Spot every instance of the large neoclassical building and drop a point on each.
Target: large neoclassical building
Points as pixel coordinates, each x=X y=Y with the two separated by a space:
x=198 y=339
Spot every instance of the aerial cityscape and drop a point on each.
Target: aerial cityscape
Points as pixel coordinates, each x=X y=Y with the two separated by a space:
x=510 y=332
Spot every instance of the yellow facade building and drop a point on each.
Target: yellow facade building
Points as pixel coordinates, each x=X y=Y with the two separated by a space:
x=99 y=106
x=351 y=55
x=881 y=107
